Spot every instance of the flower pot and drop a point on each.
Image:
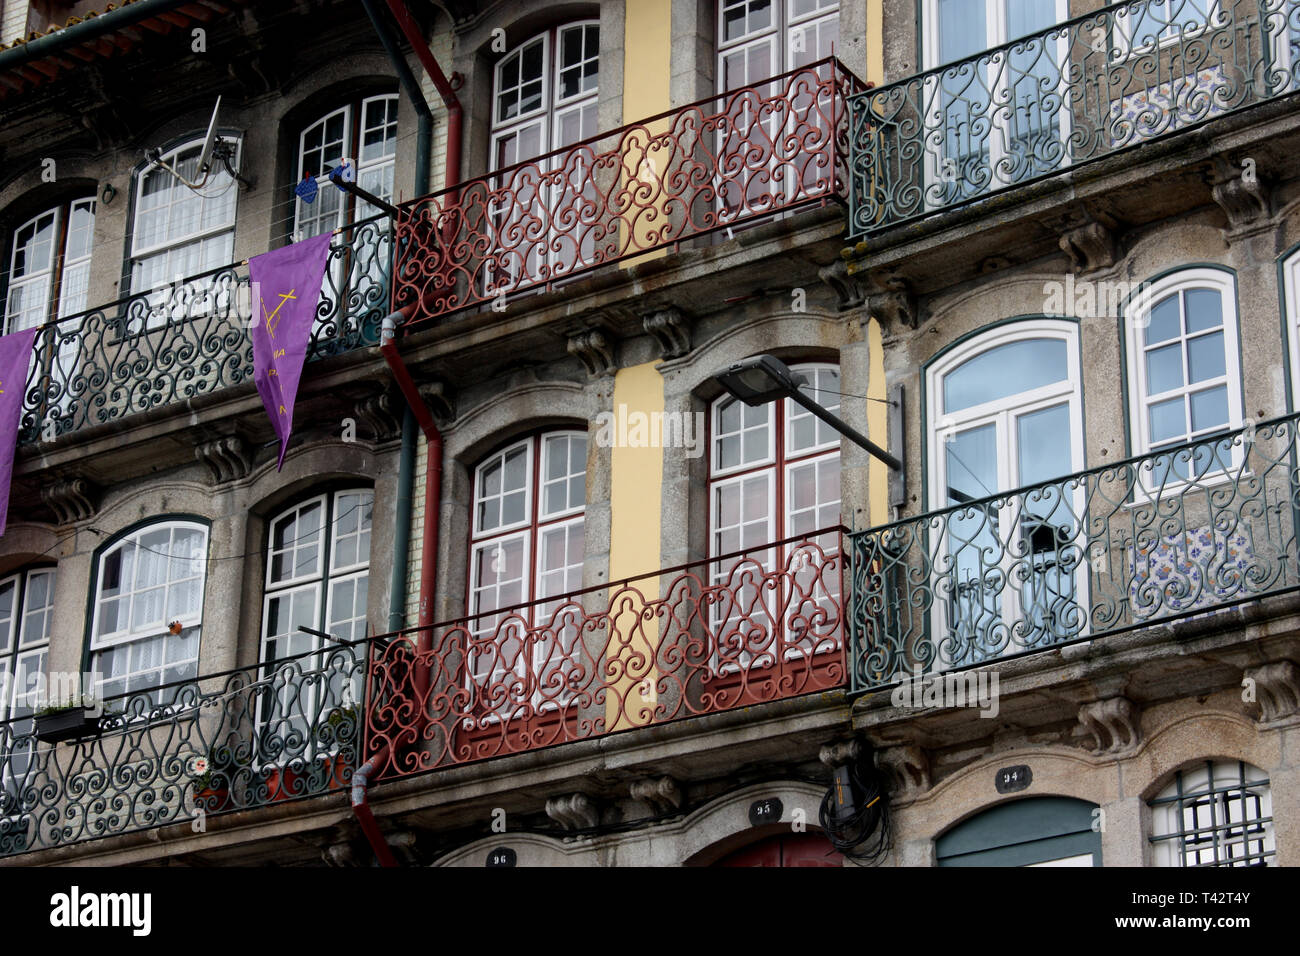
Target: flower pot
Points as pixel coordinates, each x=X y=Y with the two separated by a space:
x=71 y=724
x=212 y=799
x=283 y=783
x=339 y=769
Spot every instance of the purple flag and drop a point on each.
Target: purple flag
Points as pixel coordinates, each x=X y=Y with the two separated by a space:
x=15 y=359
x=286 y=290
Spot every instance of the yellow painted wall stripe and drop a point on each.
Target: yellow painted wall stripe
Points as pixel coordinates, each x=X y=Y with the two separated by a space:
x=636 y=490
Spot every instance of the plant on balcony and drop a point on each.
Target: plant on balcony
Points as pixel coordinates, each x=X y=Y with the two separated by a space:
x=211 y=778
x=68 y=720
x=344 y=732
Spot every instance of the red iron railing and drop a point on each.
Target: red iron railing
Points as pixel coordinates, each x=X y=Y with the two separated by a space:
x=742 y=629
x=721 y=163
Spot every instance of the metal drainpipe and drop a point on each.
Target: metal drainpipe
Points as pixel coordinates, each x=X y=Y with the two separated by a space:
x=455 y=115
x=406 y=460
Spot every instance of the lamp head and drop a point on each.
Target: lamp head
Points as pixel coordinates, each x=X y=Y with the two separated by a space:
x=759 y=380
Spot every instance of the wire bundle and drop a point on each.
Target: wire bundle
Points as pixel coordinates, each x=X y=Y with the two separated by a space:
x=864 y=837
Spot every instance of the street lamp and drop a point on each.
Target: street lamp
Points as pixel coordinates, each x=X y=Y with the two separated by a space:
x=765 y=378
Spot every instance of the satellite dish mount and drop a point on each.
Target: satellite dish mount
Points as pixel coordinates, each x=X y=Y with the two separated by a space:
x=216 y=149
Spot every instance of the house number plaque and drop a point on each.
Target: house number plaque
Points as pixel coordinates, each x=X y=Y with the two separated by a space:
x=502 y=856
x=1013 y=779
x=768 y=810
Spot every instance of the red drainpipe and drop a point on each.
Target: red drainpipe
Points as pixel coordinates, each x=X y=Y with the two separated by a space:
x=433 y=438
x=449 y=99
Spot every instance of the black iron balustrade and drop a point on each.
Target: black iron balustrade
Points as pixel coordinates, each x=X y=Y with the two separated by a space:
x=191 y=338
x=1166 y=535
x=209 y=745
x=1099 y=83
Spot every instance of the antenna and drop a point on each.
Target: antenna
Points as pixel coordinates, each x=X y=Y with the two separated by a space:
x=205 y=156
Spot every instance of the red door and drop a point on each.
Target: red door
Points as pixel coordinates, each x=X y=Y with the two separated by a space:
x=788 y=849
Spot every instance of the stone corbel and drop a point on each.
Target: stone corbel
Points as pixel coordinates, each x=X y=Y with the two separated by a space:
x=595 y=348
x=1277 y=689
x=907 y=768
x=1112 y=725
x=228 y=458
x=849 y=293
x=574 y=811
x=71 y=499
x=381 y=413
x=892 y=302
x=662 y=793
x=1240 y=192
x=440 y=401
x=1090 y=246
x=671 y=328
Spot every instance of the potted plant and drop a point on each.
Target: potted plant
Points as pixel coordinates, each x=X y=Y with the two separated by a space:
x=68 y=720
x=343 y=737
x=211 y=778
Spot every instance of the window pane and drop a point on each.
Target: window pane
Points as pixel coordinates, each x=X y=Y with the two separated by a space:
x=1168 y=420
x=1204 y=309
x=1164 y=369
x=1163 y=323
x=1205 y=357
x=1210 y=408
x=1005 y=370
x=1043 y=440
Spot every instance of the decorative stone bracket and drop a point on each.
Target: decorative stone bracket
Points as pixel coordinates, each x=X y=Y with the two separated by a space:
x=671 y=328
x=595 y=348
x=662 y=793
x=907 y=767
x=1090 y=247
x=1277 y=689
x=1111 y=724
x=228 y=458
x=1240 y=192
x=71 y=499
x=574 y=811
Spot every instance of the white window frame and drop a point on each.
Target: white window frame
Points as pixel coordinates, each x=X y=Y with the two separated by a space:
x=547 y=117
x=530 y=531
x=937 y=165
x=20 y=643
x=1002 y=413
x=57 y=273
x=774 y=468
x=126 y=636
x=350 y=209
x=1291 y=302
x=319 y=582
x=216 y=187
x=1135 y=315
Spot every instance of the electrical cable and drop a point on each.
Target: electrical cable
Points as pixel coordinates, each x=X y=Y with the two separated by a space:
x=864 y=836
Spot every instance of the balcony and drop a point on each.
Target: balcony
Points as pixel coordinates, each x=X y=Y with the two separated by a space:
x=736 y=631
x=719 y=164
x=191 y=339
x=218 y=744
x=1183 y=532
x=1112 y=80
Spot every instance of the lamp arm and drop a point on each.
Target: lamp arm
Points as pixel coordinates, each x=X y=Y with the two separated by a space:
x=851 y=433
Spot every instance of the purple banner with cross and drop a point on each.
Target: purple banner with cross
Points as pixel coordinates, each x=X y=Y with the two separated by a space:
x=286 y=290
x=15 y=360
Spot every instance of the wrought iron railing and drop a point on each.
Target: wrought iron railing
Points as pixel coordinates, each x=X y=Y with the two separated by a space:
x=1162 y=536
x=738 y=630
x=1106 y=81
x=191 y=338
x=188 y=749
x=720 y=163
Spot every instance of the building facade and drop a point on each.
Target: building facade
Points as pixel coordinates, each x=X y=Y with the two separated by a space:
x=532 y=586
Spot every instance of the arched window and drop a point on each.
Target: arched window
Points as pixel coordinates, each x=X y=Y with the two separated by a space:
x=364 y=132
x=527 y=544
x=148 y=608
x=317 y=573
x=49 y=266
x=1005 y=412
x=544 y=98
x=1217 y=813
x=1291 y=302
x=1036 y=831
x=544 y=93
x=774 y=473
x=1184 y=367
x=758 y=39
x=26 y=610
x=178 y=231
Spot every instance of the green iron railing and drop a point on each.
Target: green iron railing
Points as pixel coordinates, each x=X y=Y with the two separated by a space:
x=186 y=750
x=1097 y=84
x=191 y=338
x=1162 y=536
